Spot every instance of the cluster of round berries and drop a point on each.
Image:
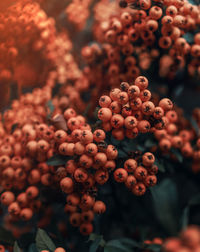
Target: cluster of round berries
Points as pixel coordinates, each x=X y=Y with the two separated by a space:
x=189 y=241
x=90 y=166
x=129 y=110
x=29 y=35
x=130 y=40
x=180 y=134
x=78 y=12
x=21 y=156
x=25 y=28
x=138 y=174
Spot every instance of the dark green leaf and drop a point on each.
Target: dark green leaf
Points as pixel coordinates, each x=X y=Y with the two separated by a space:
x=178 y=154
x=185 y=218
x=116 y=246
x=165 y=200
x=95 y=244
x=114 y=141
x=154 y=247
x=43 y=241
x=189 y=36
x=121 y=154
x=50 y=106
x=160 y=165
x=149 y=143
x=16 y=248
x=128 y=145
x=195 y=2
x=129 y=242
x=88 y=107
x=57 y=160
x=195 y=126
x=32 y=248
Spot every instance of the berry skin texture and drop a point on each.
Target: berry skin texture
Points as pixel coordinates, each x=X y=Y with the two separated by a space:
x=166 y=104
x=66 y=185
x=104 y=114
x=120 y=175
x=139 y=189
x=130 y=122
x=7 y=198
x=86 y=228
x=148 y=159
x=99 y=207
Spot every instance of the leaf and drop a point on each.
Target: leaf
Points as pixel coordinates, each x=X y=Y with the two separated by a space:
x=154 y=247
x=16 y=248
x=87 y=109
x=160 y=165
x=32 y=248
x=121 y=154
x=94 y=237
x=128 y=145
x=189 y=36
x=114 y=141
x=57 y=160
x=149 y=143
x=185 y=216
x=43 y=241
x=178 y=91
x=165 y=204
x=95 y=244
x=116 y=246
x=129 y=242
x=195 y=2
x=195 y=126
x=50 y=106
x=177 y=154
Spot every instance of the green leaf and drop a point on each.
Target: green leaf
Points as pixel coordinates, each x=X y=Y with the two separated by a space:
x=194 y=2
x=121 y=154
x=116 y=246
x=32 y=248
x=185 y=216
x=178 y=154
x=95 y=244
x=114 y=141
x=57 y=160
x=160 y=165
x=43 y=241
x=195 y=126
x=154 y=247
x=165 y=200
x=16 y=248
x=189 y=36
x=130 y=243
x=149 y=143
x=50 y=106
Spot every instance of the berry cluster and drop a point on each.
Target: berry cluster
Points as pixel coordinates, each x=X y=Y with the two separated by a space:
x=132 y=39
x=129 y=110
x=138 y=174
x=179 y=134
